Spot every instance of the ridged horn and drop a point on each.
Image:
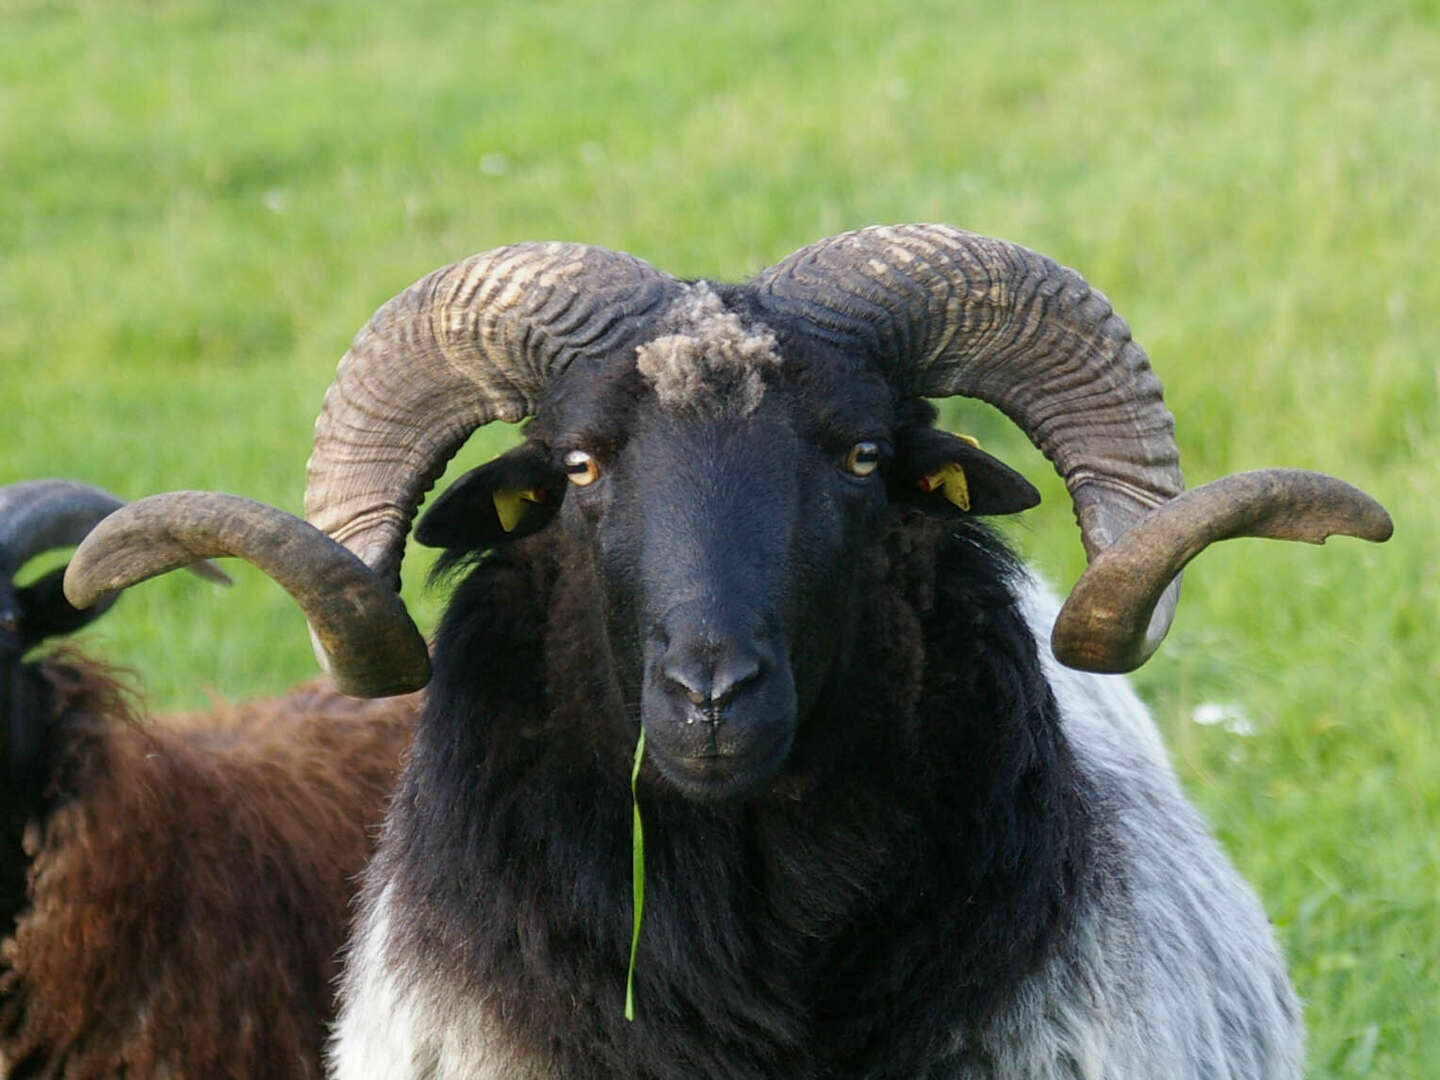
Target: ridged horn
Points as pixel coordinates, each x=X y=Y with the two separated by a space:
x=473 y=342
x=1101 y=626
x=947 y=312
x=373 y=647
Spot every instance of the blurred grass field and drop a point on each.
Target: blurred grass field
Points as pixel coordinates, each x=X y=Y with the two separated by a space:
x=201 y=202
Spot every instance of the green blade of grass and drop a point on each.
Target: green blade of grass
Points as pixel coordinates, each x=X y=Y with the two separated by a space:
x=637 y=875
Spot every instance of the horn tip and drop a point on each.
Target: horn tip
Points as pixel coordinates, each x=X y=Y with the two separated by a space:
x=371 y=683
x=83 y=585
x=1378 y=526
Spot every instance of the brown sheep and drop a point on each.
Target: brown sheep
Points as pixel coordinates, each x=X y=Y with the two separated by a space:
x=173 y=892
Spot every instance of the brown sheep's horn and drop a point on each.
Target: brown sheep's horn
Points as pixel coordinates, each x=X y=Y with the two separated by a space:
x=372 y=646
x=1102 y=625
x=948 y=312
x=40 y=515
x=470 y=343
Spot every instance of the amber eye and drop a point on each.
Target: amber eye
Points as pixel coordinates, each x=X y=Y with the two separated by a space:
x=581 y=468
x=863 y=459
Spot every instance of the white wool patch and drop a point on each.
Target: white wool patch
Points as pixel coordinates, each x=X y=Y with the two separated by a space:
x=711 y=363
x=1171 y=968
x=400 y=1023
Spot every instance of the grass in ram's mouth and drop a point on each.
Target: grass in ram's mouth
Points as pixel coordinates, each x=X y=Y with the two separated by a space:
x=637 y=875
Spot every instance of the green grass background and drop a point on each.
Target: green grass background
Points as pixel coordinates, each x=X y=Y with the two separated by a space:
x=201 y=202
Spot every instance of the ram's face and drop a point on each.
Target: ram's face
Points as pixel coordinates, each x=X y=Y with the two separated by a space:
x=724 y=495
x=725 y=533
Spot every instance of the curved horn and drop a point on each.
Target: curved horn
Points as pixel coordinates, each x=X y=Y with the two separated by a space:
x=1102 y=624
x=40 y=515
x=949 y=312
x=374 y=649
x=470 y=343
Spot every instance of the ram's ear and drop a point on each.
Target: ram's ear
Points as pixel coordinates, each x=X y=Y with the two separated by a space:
x=940 y=471
x=505 y=499
x=45 y=613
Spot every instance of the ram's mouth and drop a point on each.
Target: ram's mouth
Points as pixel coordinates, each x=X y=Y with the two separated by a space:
x=734 y=772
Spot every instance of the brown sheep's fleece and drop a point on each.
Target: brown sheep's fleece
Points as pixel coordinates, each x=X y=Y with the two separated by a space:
x=190 y=885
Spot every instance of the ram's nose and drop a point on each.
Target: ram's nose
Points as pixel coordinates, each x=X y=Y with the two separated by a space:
x=709 y=682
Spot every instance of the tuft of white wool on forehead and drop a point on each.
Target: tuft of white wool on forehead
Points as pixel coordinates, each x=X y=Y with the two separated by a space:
x=711 y=363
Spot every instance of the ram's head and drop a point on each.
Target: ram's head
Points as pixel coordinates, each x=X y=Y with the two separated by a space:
x=37 y=517
x=723 y=453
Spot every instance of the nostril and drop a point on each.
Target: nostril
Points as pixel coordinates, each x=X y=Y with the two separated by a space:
x=687 y=676
x=730 y=675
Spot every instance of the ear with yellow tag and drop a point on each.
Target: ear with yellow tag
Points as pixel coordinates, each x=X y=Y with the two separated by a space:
x=931 y=462
x=511 y=497
x=510 y=505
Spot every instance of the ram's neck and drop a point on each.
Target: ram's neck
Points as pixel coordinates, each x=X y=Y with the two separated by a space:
x=934 y=785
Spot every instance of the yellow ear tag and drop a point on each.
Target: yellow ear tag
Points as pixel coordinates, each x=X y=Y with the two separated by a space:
x=510 y=505
x=949 y=481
